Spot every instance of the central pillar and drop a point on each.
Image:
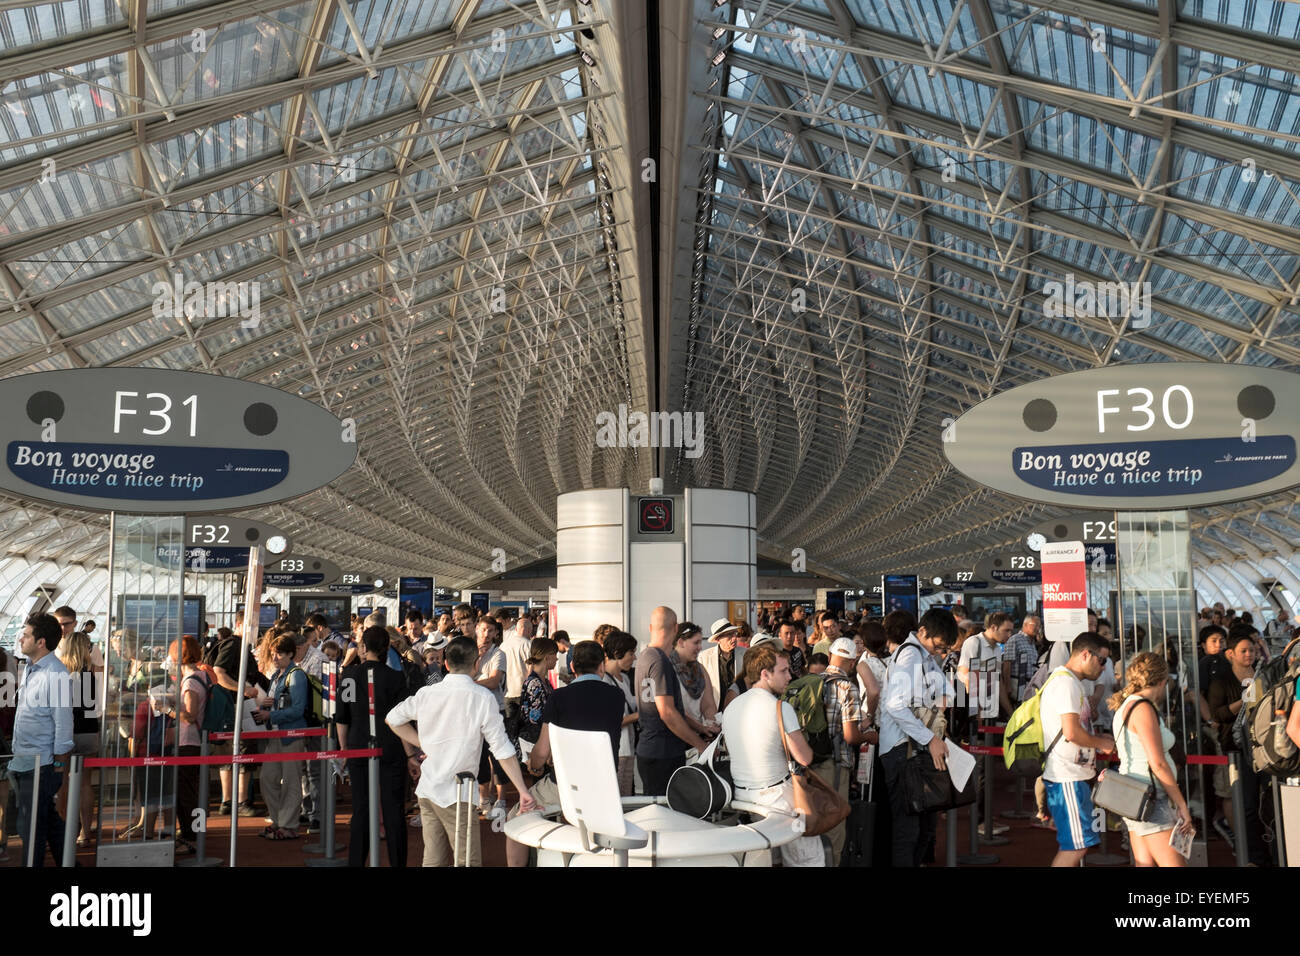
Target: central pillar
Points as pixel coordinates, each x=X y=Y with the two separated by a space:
x=619 y=555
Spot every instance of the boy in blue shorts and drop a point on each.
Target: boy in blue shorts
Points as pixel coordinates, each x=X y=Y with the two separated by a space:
x=1071 y=748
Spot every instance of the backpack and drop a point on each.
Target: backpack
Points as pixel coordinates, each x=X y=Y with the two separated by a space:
x=1260 y=728
x=314 y=712
x=1042 y=671
x=805 y=696
x=1023 y=737
x=219 y=709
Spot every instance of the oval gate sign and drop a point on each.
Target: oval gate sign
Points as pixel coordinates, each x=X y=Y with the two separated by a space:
x=299 y=571
x=356 y=582
x=1017 y=569
x=1167 y=435
x=157 y=441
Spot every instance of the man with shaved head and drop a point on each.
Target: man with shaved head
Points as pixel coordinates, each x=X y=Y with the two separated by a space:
x=665 y=735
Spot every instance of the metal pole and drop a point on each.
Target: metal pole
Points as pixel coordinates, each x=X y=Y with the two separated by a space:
x=71 y=821
x=372 y=784
x=201 y=857
x=988 y=837
x=1239 y=809
x=975 y=857
x=31 y=832
x=329 y=802
x=252 y=606
x=1279 y=836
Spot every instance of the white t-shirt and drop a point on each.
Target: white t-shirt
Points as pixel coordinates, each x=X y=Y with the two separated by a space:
x=1063 y=694
x=516 y=651
x=753 y=740
x=495 y=660
x=983 y=688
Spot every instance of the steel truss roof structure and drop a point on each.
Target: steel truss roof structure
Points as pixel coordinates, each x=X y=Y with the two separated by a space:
x=464 y=242
x=877 y=195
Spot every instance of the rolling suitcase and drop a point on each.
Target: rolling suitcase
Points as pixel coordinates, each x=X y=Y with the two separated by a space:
x=465 y=783
x=860 y=827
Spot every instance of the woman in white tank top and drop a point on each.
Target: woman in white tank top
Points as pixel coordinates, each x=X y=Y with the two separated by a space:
x=1143 y=743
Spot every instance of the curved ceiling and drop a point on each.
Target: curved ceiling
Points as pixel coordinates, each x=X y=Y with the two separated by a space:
x=475 y=224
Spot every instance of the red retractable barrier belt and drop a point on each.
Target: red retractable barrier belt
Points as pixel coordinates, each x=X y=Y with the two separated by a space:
x=220 y=760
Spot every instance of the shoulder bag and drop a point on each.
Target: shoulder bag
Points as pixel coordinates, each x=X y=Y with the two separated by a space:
x=820 y=806
x=1131 y=797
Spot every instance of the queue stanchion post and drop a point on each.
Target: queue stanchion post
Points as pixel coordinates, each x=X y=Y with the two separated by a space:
x=72 y=818
x=329 y=803
x=1239 y=809
x=200 y=857
x=372 y=775
x=1279 y=836
x=32 y=811
x=975 y=857
x=990 y=835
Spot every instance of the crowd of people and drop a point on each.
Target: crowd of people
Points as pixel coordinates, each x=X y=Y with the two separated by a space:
x=471 y=696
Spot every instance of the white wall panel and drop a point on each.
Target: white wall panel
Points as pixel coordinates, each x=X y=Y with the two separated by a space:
x=590 y=507
x=582 y=545
x=656 y=579
x=590 y=582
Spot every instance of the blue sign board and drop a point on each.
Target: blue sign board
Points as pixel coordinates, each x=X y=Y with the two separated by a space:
x=146 y=472
x=1154 y=469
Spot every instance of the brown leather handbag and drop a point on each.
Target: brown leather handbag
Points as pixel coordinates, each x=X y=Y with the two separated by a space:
x=817 y=803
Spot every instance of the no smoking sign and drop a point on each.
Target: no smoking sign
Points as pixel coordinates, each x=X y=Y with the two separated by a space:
x=655 y=515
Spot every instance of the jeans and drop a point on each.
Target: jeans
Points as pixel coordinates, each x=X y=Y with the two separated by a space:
x=912 y=833
x=655 y=772
x=49 y=825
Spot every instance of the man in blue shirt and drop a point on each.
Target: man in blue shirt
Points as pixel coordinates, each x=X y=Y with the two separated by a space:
x=42 y=735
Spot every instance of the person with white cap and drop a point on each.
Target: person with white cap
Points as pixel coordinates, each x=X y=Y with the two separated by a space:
x=723 y=660
x=844 y=722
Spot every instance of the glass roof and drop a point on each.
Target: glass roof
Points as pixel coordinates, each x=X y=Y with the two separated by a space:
x=951 y=158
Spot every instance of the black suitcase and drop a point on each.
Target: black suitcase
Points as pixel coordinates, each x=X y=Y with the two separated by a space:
x=860 y=828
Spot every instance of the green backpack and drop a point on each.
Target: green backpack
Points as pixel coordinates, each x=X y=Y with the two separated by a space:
x=314 y=712
x=805 y=696
x=1023 y=737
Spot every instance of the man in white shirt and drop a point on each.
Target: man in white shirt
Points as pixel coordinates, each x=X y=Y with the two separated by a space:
x=453 y=720
x=759 y=767
x=914 y=682
x=516 y=647
x=1066 y=716
x=988 y=691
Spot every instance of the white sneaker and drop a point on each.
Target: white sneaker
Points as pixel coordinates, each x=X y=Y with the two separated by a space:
x=415 y=821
